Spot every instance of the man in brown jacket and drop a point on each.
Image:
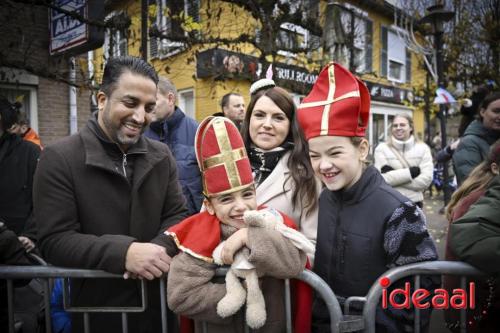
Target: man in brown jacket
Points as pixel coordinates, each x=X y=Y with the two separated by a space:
x=103 y=197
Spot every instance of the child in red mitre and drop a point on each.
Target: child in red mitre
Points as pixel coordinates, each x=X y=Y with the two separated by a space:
x=365 y=227
x=193 y=291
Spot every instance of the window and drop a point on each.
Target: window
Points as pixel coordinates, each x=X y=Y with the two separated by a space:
x=186 y=102
x=291 y=37
x=168 y=18
x=27 y=96
x=395 y=57
x=379 y=125
x=116 y=37
x=395 y=70
x=350 y=37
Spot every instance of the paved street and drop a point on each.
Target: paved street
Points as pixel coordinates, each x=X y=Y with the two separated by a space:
x=438 y=227
x=436 y=223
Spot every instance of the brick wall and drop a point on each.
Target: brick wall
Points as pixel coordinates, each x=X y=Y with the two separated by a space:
x=24 y=44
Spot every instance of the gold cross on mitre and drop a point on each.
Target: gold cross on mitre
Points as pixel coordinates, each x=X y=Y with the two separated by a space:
x=329 y=100
x=227 y=156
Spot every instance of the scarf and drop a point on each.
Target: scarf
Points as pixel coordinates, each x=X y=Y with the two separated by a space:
x=264 y=162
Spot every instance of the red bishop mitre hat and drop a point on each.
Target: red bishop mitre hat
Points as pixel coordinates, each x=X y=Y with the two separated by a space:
x=222 y=157
x=338 y=104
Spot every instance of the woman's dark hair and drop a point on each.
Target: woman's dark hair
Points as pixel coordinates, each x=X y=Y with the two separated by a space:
x=493 y=96
x=469 y=112
x=300 y=168
x=9 y=113
x=115 y=67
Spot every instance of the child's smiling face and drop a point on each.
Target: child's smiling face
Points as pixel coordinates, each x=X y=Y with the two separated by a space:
x=337 y=161
x=229 y=208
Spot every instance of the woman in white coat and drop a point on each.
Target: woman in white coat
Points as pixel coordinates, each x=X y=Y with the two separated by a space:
x=278 y=155
x=405 y=163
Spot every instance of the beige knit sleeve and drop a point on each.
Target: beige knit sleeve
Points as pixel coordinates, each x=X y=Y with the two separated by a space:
x=191 y=291
x=274 y=255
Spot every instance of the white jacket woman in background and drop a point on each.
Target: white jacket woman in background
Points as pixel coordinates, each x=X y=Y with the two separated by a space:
x=405 y=163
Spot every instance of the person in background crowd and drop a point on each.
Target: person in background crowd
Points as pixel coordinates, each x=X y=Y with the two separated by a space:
x=405 y=163
x=21 y=127
x=436 y=141
x=193 y=289
x=469 y=112
x=233 y=108
x=446 y=153
x=103 y=197
x=478 y=137
x=18 y=161
x=365 y=227
x=276 y=147
x=12 y=252
x=474 y=237
x=171 y=126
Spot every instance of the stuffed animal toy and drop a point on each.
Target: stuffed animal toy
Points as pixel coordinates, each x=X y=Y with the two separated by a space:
x=241 y=268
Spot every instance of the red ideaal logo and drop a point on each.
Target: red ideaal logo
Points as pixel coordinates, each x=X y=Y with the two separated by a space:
x=440 y=297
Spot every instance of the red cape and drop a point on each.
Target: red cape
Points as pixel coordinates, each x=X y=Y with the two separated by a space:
x=199 y=235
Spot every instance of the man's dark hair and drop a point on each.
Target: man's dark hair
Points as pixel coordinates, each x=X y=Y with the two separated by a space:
x=9 y=113
x=225 y=99
x=115 y=67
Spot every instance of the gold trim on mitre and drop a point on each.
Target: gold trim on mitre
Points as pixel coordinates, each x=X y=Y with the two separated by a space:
x=329 y=100
x=231 y=190
x=227 y=157
x=226 y=153
x=236 y=154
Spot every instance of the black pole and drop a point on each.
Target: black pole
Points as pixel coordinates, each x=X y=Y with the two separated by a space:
x=427 y=110
x=442 y=113
x=351 y=43
x=144 y=30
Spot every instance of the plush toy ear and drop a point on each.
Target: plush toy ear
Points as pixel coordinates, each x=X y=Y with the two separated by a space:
x=253 y=218
x=265 y=218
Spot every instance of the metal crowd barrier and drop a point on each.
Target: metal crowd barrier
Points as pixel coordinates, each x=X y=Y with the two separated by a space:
x=46 y=273
x=339 y=323
x=424 y=268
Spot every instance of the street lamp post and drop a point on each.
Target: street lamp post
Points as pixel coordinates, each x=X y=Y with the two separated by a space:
x=437 y=16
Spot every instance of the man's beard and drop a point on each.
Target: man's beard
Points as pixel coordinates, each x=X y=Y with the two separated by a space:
x=115 y=132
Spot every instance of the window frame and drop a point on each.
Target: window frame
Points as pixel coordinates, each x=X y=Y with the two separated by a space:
x=113 y=38
x=403 y=62
x=164 y=47
x=182 y=103
x=294 y=29
x=31 y=106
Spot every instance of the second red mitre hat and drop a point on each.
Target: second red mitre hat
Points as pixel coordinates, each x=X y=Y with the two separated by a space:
x=338 y=104
x=222 y=157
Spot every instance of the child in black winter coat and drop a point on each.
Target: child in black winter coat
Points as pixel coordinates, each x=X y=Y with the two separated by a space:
x=365 y=227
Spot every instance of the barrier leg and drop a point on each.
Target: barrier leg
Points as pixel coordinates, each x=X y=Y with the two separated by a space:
x=10 y=305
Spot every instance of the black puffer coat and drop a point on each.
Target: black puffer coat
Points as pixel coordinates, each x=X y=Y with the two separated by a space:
x=18 y=160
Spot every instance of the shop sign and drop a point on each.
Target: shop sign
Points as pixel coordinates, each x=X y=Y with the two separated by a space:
x=223 y=64
x=68 y=34
x=294 y=75
x=385 y=93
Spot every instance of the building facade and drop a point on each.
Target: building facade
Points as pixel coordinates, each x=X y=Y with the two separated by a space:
x=29 y=75
x=363 y=39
